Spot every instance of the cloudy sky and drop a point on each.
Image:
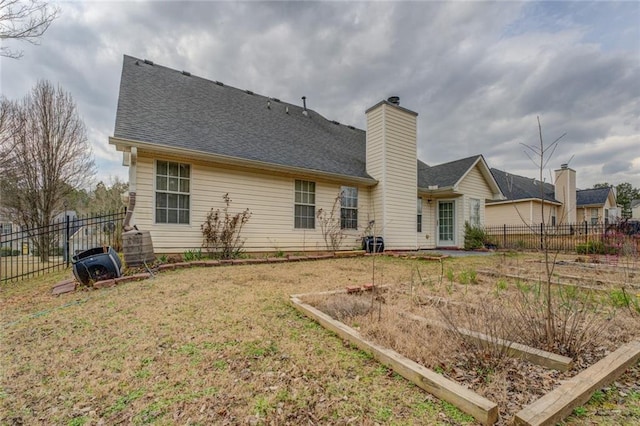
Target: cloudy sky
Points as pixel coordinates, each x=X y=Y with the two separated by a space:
x=477 y=73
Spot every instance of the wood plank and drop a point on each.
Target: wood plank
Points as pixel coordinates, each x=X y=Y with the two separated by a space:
x=542 y=280
x=559 y=403
x=483 y=410
x=514 y=349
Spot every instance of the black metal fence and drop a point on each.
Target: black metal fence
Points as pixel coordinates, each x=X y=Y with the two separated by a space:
x=28 y=252
x=584 y=237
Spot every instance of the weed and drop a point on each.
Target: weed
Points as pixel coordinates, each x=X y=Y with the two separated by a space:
x=580 y=411
x=192 y=255
x=124 y=401
x=501 y=285
x=220 y=364
x=262 y=407
x=450 y=275
x=384 y=414
x=598 y=397
x=455 y=414
x=77 y=421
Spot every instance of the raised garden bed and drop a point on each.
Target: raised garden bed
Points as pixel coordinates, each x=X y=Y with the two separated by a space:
x=446 y=327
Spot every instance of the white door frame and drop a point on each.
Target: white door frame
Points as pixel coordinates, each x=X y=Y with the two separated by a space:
x=439 y=241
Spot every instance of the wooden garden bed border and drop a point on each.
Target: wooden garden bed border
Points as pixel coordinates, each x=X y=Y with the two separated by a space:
x=558 y=283
x=482 y=409
x=560 y=402
x=533 y=355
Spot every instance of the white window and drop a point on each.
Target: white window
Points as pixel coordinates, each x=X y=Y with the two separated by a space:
x=474 y=212
x=172 y=192
x=305 y=205
x=419 y=218
x=348 y=207
x=594 y=216
x=5 y=228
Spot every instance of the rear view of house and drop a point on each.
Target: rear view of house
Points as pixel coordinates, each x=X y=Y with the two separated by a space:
x=188 y=141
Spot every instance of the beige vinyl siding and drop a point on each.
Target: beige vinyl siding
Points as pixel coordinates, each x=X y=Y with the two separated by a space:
x=269 y=197
x=428 y=238
x=375 y=165
x=474 y=186
x=526 y=212
x=392 y=159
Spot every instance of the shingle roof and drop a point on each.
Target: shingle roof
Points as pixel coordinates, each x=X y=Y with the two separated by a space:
x=595 y=196
x=516 y=187
x=167 y=107
x=444 y=175
x=174 y=109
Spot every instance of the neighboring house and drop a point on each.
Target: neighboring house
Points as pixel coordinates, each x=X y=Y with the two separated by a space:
x=635 y=209
x=563 y=203
x=188 y=141
x=597 y=205
x=523 y=201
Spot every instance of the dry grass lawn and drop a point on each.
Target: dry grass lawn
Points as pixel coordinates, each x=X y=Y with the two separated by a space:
x=212 y=346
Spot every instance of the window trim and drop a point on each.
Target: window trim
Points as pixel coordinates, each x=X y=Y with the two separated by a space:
x=189 y=208
x=471 y=212
x=353 y=209
x=295 y=204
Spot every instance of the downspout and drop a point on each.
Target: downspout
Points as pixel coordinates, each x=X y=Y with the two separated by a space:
x=126 y=226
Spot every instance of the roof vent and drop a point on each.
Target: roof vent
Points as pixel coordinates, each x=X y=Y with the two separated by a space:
x=187 y=73
x=351 y=127
x=276 y=99
x=564 y=166
x=304 y=106
x=286 y=110
x=394 y=100
x=248 y=92
x=148 y=62
x=137 y=62
x=268 y=104
x=337 y=123
x=219 y=83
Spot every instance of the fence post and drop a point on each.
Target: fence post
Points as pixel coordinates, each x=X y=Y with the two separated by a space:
x=586 y=231
x=66 y=239
x=504 y=236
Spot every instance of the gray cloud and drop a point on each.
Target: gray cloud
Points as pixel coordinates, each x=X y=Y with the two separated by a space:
x=477 y=73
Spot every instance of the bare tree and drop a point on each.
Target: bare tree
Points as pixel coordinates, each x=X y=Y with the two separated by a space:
x=540 y=155
x=50 y=156
x=25 y=20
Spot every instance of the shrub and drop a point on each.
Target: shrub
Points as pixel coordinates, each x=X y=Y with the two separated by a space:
x=221 y=231
x=474 y=237
x=7 y=251
x=591 y=247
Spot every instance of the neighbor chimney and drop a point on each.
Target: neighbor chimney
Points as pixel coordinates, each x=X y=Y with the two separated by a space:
x=565 y=192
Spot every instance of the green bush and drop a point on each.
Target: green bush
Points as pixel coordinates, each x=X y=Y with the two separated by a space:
x=591 y=247
x=7 y=251
x=474 y=237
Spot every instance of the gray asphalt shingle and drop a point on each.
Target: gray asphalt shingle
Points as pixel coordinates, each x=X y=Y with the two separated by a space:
x=163 y=106
x=516 y=187
x=595 y=196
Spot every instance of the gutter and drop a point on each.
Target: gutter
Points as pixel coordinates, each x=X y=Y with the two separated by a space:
x=125 y=145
